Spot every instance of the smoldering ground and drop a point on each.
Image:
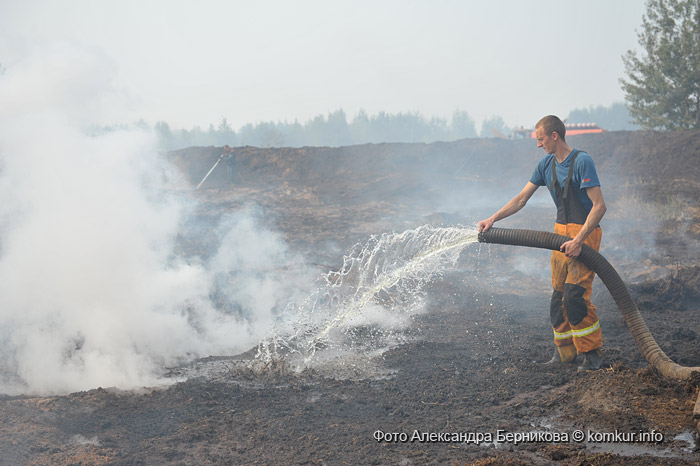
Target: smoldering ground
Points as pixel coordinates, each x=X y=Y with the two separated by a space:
x=321 y=197
x=93 y=293
x=98 y=285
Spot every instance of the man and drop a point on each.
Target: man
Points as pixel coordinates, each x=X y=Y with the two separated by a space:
x=573 y=183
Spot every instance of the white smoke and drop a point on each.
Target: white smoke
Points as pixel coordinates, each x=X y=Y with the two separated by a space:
x=91 y=293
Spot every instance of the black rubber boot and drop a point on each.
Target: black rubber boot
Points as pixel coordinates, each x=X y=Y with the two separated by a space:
x=591 y=361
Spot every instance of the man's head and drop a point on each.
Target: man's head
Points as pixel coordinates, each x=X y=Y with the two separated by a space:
x=549 y=132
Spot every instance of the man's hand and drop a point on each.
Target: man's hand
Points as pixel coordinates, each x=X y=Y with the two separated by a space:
x=571 y=249
x=484 y=225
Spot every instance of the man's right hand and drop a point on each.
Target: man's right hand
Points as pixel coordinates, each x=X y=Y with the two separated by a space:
x=484 y=225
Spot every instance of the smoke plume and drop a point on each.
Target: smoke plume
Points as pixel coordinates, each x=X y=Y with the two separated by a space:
x=91 y=293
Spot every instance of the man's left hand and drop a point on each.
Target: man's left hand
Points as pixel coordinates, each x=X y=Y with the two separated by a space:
x=571 y=249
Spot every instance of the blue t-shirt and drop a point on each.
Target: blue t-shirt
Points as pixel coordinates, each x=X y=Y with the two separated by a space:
x=584 y=176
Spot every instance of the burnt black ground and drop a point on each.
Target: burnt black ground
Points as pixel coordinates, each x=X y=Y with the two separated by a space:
x=472 y=364
x=446 y=381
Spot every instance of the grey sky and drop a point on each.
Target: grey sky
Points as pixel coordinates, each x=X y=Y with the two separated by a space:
x=193 y=62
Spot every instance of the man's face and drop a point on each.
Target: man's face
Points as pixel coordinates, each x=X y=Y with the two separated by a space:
x=544 y=141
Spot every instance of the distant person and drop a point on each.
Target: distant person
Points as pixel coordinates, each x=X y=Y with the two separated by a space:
x=572 y=180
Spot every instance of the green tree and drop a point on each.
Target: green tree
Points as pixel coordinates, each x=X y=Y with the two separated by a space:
x=360 y=127
x=164 y=134
x=494 y=127
x=462 y=125
x=663 y=86
x=225 y=133
x=337 y=129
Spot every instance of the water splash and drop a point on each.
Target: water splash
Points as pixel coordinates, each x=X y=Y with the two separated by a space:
x=371 y=298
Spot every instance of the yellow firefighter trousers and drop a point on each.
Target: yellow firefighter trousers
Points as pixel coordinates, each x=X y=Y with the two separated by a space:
x=574 y=317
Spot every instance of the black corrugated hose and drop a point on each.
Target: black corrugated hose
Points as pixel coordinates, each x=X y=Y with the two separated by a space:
x=619 y=291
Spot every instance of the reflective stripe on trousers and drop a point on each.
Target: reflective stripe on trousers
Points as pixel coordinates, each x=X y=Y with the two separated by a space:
x=574 y=318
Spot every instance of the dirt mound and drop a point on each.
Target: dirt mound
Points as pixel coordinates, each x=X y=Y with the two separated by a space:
x=677 y=290
x=651 y=156
x=644 y=156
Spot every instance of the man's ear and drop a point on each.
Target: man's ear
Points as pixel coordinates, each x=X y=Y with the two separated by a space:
x=555 y=135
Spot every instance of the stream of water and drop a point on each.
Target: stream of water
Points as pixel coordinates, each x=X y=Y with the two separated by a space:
x=371 y=298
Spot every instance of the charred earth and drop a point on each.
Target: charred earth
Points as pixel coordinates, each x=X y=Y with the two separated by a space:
x=469 y=365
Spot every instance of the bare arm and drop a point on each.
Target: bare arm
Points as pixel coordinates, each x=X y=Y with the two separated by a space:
x=513 y=206
x=573 y=248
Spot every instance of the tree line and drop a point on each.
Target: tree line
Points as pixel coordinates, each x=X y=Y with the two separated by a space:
x=335 y=129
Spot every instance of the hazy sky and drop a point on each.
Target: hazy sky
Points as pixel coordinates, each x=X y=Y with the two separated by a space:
x=193 y=62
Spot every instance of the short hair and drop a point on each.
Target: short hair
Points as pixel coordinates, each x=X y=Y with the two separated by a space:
x=550 y=124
